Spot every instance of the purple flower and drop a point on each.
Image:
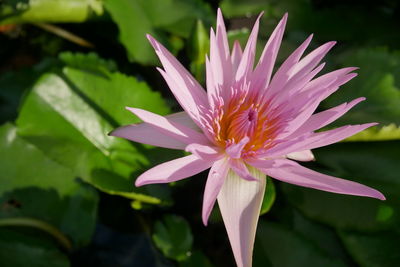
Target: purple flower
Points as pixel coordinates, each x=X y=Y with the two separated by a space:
x=248 y=124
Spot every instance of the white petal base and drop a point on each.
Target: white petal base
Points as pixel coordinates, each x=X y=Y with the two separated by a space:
x=240 y=202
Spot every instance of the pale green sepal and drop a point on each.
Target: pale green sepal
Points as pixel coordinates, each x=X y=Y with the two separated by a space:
x=240 y=202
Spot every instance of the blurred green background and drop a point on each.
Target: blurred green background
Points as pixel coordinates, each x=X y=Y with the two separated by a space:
x=69 y=67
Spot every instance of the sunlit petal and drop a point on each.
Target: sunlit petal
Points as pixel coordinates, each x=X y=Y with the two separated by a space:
x=240 y=202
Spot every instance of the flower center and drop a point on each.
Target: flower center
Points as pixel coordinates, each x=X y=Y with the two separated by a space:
x=243 y=123
x=251 y=115
x=245 y=116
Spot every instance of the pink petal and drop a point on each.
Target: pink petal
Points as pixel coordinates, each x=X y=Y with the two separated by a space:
x=238 y=166
x=184 y=119
x=259 y=163
x=169 y=127
x=222 y=37
x=305 y=155
x=236 y=56
x=235 y=150
x=240 y=202
x=332 y=79
x=282 y=74
x=247 y=62
x=307 y=101
x=297 y=112
x=185 y=88
x=312 y=59
x=220 y=61
x=316 y=140
x=340 y=81
x=146 y=134
x=215 y=180
x=173 y=170
x=205 y=152
x=291 y=172
x=298 y=70
x=324 y=118
x=263 y=70
x=212 y=87
x=293 y=87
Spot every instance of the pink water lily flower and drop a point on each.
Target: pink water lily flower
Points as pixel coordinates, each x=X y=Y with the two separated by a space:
x=248 y=124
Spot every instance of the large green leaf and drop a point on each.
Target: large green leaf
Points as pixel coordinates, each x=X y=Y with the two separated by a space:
x=31 y=185
x=373 y=250
x=48 y=10
x=20 y=249
x=284 y=247
x=374 y=164
x=68 y=117
x=177 y=16
x=378 y=81
x=133 y=25
x=196 y=259
x=269 y=197
x=89 y=62
x=347 y=22
x=173 y=237
x=377 y=133
x=136 y=18
x=13 y=85
x=323 y=236
x=198 y=47
x=239 y=8
x=11 y=92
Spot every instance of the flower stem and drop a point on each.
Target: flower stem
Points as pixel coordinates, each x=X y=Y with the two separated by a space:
x=41 y=225
x=64 y=34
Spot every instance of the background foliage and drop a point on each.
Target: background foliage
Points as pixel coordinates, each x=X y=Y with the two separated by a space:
x=68 y=69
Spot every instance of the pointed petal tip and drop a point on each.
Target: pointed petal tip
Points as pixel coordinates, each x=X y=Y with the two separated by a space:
x=135 y=111
x=285 y=17
x=154 y=43
x=328 y=45
x=139 y=182
x=236 y=43
x=161 y=71
x=258 y=18
x=205 y=222
x=371 y=124
x=353 y=75
x=360 y=99
x=205 y=216
x=308 y=40
x=219 y=13
x=129 y=108
x=373 y=193
x=151 y=40
x=381 y=196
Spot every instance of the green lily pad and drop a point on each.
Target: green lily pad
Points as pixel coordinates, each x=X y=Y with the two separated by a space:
x=284 y=247
x=380 y=249
x=68 y=116
x=173 y=237
x=34 y=186
x=374 y=164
